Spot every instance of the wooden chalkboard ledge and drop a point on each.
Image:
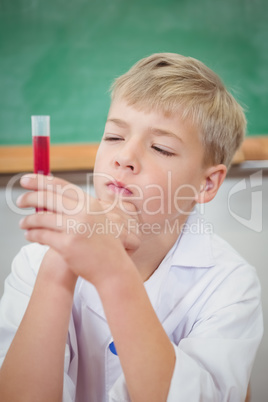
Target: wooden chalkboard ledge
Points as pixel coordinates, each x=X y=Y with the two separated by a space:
x=252 y=149
x=14 y=159
x=71 y=157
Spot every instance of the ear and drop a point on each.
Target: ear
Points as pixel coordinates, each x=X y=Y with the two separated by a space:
x=211 y=183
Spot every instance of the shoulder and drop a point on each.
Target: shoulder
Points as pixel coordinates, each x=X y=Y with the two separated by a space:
x=237 y=270
x=200 y=246
x=208 y=278
x=18 y=288
x=32 y=254
x=223 y=251
x=202 y=257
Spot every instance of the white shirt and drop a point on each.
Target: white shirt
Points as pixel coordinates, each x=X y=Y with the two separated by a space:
x=207 y=299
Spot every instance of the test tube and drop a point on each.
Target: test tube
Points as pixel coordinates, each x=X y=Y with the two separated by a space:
x=41 y=139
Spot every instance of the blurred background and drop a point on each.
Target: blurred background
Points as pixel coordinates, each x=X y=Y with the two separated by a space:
x=60 y=57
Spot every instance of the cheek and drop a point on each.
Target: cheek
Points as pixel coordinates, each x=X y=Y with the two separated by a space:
x=184 y=192
x=183 y=198
x=99 y=159
x=97 y=186
x=100 y=177
x=168 y=197
x=156 y=197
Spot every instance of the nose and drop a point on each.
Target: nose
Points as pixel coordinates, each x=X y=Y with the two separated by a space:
x=128 y=157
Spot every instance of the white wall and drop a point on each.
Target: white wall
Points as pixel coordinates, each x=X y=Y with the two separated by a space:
x=239 y=214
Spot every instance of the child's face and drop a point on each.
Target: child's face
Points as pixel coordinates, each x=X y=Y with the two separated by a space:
x=150 y=160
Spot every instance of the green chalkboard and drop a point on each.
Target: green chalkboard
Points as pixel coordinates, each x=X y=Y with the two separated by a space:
x=59 y=57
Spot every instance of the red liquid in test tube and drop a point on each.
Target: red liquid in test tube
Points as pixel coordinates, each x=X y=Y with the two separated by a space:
x=41 y=154
x=41 y=141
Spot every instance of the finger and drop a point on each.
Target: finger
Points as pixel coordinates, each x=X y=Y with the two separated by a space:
x=131 y=242
x=53 y=184
x=127 y=207
x=51 y=201
x=43 y=221
x=46 y=237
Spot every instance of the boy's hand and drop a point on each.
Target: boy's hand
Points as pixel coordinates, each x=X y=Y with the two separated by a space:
x=123 y=223
x=83 y=230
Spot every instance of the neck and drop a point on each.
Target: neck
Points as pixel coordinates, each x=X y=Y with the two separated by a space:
x=153 y=250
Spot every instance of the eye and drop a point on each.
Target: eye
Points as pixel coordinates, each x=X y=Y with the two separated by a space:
x=163 y=151
x=112 y=137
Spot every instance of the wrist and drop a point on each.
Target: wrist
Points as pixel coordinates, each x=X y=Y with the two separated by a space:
x=55 y=271
x=122 y=276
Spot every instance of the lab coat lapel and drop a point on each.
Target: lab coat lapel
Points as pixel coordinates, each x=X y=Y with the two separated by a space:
x=188 y=261
x=90 y=297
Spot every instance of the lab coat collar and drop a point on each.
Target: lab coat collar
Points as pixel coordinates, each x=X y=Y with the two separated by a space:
x=193 y=247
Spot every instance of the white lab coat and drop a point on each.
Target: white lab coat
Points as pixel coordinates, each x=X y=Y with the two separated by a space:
x=207 y=299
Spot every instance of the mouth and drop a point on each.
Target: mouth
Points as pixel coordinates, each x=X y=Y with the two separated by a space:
x=119 y=188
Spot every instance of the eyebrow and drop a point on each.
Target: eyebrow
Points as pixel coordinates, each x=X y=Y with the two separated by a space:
x=153 y=130
x=118 y=122
x=158 y=132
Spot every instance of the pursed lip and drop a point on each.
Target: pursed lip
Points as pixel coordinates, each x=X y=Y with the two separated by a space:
x=118 y=187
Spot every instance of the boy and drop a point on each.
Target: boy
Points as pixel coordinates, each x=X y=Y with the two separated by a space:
x=127 y=302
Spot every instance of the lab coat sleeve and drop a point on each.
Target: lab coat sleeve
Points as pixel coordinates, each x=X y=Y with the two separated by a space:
x=17 y=292
x=214 y=362
x=216 y=358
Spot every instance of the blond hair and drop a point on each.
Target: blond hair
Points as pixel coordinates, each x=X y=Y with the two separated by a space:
x=172 y=84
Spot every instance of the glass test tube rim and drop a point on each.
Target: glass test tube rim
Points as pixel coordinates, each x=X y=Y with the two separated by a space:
x=40 y=125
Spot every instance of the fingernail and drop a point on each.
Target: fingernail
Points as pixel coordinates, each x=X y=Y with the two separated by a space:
x=21 y=222
x=26 y=233
x=27 y=177
x=19 y=199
